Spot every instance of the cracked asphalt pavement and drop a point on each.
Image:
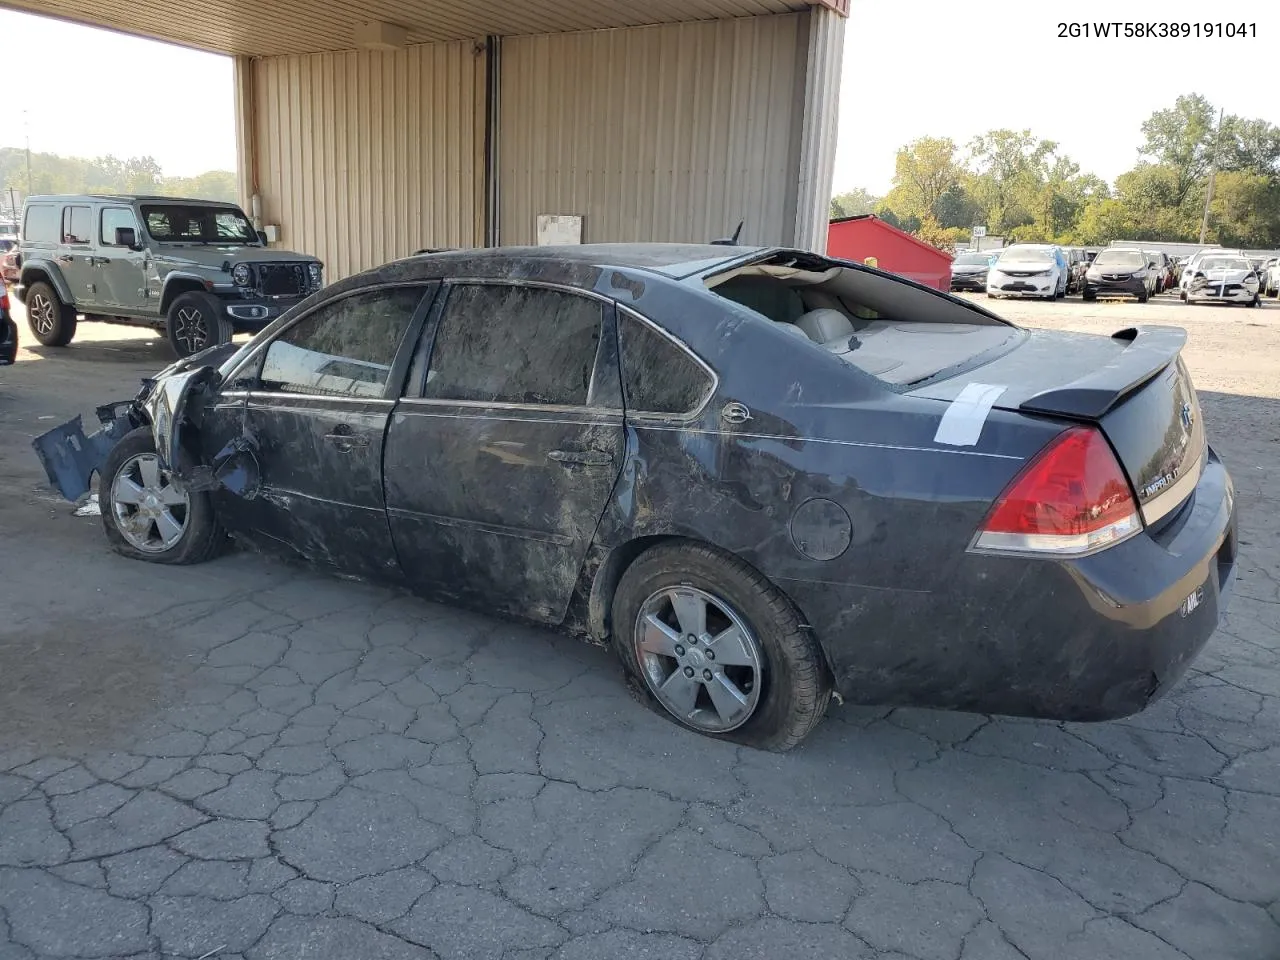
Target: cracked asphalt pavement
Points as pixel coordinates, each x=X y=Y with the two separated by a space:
x=247 y=760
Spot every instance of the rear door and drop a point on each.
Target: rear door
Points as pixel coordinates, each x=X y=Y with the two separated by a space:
x=77 y=256
x=503 y=454
x=316 y=416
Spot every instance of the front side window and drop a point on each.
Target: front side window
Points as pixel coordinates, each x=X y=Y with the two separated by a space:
x=514 y=344
x=77 y=225
x=41 y=224
x=113 y=218
x=344 y=348
x=658 y=376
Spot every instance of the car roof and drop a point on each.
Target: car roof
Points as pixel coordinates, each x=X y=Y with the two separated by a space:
x=125 y=198
x=676 y=260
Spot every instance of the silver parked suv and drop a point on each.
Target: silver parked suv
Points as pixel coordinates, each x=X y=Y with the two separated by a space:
x=195 y=268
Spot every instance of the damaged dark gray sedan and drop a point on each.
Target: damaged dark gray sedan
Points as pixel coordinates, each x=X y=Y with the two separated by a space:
x=765 y=475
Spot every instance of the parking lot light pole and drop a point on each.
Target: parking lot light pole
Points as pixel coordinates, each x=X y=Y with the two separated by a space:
x=1213 y=173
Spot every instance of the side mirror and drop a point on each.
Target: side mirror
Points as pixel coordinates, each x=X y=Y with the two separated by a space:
x=127 y=237
x=262 y=237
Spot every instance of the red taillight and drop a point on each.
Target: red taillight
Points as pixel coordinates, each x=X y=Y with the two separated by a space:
x=1072 y=499
x=4 y=298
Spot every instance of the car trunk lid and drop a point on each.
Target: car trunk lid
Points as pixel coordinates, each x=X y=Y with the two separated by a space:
x=1133 y=385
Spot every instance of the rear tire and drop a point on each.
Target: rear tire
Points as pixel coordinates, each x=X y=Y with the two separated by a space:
x=195 y=322
x=787 y=689
x=144 y=516
x=52 y=322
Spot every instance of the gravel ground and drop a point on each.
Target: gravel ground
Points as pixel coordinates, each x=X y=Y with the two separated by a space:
x=244 y=759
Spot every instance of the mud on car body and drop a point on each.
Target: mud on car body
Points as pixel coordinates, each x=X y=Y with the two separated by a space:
x=763 y=475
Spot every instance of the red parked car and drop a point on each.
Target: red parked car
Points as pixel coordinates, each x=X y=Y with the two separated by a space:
x=9 y=260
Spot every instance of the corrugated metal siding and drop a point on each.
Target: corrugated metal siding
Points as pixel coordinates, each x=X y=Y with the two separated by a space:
x=820 y=129
x=274 y=27
x=673 y=132
x=367 y=157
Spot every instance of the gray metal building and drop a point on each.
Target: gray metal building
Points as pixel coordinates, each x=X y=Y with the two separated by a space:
x=369 y=130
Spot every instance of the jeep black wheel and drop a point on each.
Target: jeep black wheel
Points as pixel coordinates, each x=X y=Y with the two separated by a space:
x=197 y=321
x=52 y=322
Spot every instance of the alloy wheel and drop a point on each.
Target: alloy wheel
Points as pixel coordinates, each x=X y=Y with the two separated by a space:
x=150 y=512
x=699 y=659
x=41 y=314
x=191 y=332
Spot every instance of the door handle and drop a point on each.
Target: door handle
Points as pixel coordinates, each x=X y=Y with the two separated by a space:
x=582 y=458
x=66 y=258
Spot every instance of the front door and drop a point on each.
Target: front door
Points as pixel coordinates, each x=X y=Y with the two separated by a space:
x=503 y=455
x=120 y=270
x=315 y=418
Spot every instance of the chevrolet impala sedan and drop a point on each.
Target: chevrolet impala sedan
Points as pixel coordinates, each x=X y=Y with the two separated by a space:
x=763 y=475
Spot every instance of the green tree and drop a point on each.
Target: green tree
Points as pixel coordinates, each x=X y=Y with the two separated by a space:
x=1181 y=139
x=924 y=171
x=853 y=203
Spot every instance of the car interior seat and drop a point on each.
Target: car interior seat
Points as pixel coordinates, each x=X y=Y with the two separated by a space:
x=826 y=326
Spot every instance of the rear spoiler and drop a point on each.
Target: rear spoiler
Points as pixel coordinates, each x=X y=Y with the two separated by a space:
x=1150 y=350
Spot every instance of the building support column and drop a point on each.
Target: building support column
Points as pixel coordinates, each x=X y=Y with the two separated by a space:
x=247 y=138
x=492 y=131
x=819 y=125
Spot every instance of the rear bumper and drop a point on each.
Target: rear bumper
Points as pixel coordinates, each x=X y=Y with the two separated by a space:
x=1089 y=639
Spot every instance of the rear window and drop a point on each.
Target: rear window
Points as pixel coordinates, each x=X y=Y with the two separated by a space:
x=41 y=224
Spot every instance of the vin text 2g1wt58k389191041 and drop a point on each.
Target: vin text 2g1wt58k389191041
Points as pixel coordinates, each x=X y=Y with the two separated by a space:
x=763 y=475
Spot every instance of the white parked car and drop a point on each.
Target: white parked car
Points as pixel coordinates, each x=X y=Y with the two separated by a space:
x=1222 y=278
x=1029 y=270
x=1189 y=270
x=1271 y=278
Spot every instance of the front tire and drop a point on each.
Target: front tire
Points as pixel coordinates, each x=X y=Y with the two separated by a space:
x=1143 y=297
x=145 y=516
x=196 y=321
x=52 y=322
x=718 y=647
x=1254 y=302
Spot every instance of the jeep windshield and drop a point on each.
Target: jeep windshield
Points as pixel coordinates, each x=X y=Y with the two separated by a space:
x=190 y=223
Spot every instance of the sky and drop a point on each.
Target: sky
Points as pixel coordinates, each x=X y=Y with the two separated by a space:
x=923 y=68
x=956 y=69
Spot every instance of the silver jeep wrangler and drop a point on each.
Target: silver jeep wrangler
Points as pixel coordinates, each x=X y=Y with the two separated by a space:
x=194 y=268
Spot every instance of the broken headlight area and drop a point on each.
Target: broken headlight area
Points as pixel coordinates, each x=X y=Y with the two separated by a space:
x=173 y=405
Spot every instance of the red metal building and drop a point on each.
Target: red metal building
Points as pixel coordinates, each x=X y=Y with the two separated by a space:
x=867 y=237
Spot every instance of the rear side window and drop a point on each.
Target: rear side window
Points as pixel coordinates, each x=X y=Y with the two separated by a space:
x=77 y=225
x=41 y=224
x=658 y=376
x=514 y=344
x=344 y=348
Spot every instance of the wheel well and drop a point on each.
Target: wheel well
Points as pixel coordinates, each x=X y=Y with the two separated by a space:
x=32 y=275
x=177 y=288
x=607 y=578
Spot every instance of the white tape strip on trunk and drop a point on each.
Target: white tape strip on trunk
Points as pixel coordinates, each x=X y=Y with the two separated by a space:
x=962 y=424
